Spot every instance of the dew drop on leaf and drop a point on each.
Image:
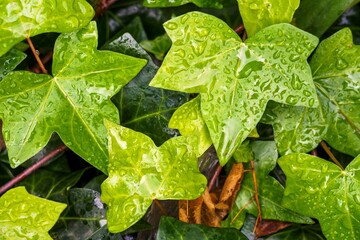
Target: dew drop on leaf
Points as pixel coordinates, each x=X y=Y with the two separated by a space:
x=341 y=64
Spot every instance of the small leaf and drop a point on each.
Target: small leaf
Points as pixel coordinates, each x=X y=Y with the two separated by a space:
x=320 y=189
x=9 y=61
x=140 y=172
x=159 y=46
x=78 y=94
x=235 y=79
x=336 y=72
x=172 y=229
x=24 y=215
x=259 y=14
x=189 y=121
x=307 y=232
x=24 y=19
x=172 y=3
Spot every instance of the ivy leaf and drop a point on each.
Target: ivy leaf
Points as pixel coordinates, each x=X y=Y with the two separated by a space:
x=22 y=214
x=140 y=172
x=173 y=3
x=172 y=229
x=78 y=93
x=235 y=79
x=259 y=14
x=336 y=74
x=320 y=189
x=23 y=19
x=159 y=46
x=143 y=108
x=270 y=191
x=9 y=61
x=188 y=120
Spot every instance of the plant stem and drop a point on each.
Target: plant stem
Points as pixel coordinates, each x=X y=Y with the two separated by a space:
x=32 y=169
x=239 y=29
x=259 y=217
x=215 y=177
x=41 y=65
x=331 y=155
x=162 y=209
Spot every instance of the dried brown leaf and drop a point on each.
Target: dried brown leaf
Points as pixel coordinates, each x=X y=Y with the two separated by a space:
x=235 y=176
x=267 y=227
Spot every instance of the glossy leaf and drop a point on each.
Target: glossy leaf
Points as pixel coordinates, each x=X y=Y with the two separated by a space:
x=320 y=189
x=309 y=232
x=317 y=16
x=172 y=3
x=189 y=121
x=336 y=72
x=26 y=216
x=22 y=19
x=143 y=108
x=9 y=61
x=270 y=191
x=140 y=172
x=78 y=93
x=235 y=79
x=259 y=14
x=172 y=229
x=158 y=46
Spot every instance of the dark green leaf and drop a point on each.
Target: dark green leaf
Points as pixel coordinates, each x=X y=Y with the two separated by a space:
x=158 y=46
x=171 y=3
x=9 y=61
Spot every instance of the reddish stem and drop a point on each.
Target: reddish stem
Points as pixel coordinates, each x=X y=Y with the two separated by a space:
x=32 y=169
x=215 y=177
x=239 y=29
x=44 y=60
x=36 y=55
x=105 y=4
x=331 y=155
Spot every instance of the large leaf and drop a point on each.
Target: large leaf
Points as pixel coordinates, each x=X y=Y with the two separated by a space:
x=171 y=3
x=143 y=108
x=188 y=120
x=140 y=172
x=235 y=79
x=317 y=16
x=336 y=73
x=258 y=14
x=320 y=189
x=73 y=102
x=9 y=61
x=22 y=19
x=270 y=191
x=172 y=229
x=23 y=215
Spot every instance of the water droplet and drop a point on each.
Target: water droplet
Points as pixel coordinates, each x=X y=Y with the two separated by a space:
x=180 y=53
x=24 y=95
x=254 y=6
x=311 y=102
x=294 y=57
x=184 y=18
x=171 y=25
x=203 y=31
x=296 y=82
x=292 y=99
x=341 y=64
x=307 y=93
x=276 y=55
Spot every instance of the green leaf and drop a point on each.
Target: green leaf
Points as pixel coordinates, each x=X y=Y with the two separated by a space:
x=172 y=3
x=23 y=215
x=244 y=152
x=143 y=108
x=336 y=72
x=188 y=120
x=158 y=46
x=22 y=19
x=320 y=189
x=259 y=14
x=9 y=61
x=140 y=172
x=317 y=16
x=72 y=102
x=235 y=79
x=307 y=232
x=270 y=191
x=172 y=229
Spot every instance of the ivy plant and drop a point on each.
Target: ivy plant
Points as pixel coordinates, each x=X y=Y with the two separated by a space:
x=138 y=112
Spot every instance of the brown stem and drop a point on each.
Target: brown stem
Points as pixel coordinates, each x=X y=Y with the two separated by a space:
x=44 y=60
x=241 y=209
x=41 y=65
x=258 y=218
x=215 y=177
x=162 y=209
x=239 y=29
x=32 y=169
x=331 y=155
x=244 y=36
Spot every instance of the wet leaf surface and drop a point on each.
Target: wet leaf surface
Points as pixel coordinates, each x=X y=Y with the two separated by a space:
x=25 y=216
x=320 y=189
x=9 y=61
x=78 y=93
x=258 y=14
x=21 y=19
x=171 y=3
x=336 y=71
x=140 y=172
x=172 y=229
x=235 y=79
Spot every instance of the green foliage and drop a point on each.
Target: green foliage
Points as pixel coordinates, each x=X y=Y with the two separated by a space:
x=259 y=14
x=9 y=61
x=236 y=79
x=73 y=93
x=171 y=3
x=322 y=190
x=159 y=46
x=22 y=19
x=335 y=67
x=172 y=229
x=140 y=172
x=25 y=216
